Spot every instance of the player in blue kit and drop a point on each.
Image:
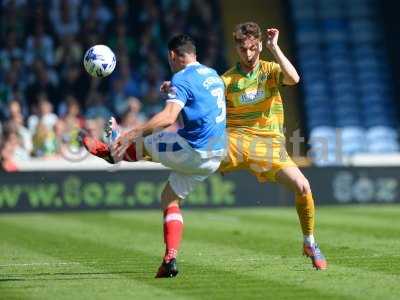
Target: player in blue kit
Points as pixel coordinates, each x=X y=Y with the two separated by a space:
x=196 y=94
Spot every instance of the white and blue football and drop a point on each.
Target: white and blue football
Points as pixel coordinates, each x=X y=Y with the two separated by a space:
x=99 y=61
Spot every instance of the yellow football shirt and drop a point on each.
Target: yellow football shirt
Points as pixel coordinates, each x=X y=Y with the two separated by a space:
x=253 y=101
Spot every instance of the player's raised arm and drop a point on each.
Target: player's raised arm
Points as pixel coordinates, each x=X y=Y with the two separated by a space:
x=290 y=75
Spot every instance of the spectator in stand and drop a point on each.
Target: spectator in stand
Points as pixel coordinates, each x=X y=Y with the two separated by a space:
x=62 y=138
x=128 y=121
x=74 y=83
x=39 y=46
x=117 y=99
x=150 y=90
x=14 y=140
x=100 y=12
x=96 y=107
x=69 y=52
x=44 y=81
x=44 y=116
x=64 y=17
x=174 y=17
x=17 y=66
x=121 y=41
x=95 y=128
x=7 y=162
x=7 y=89
x=16 y=120
x=37 y=12
x=42 y=128
x=12 y=87
x=44 y=141
x=152 y=103
x=73 y=118
x=10 y=52
x=135 y=107
x=124 y=86
x=211 y=53
x=73 y=123
x=132 y=117
x=156 y=65
x=122 y=13
x=13 y=15
x=200 y=19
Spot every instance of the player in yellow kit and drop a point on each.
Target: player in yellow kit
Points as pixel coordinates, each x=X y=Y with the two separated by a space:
x=255 y=119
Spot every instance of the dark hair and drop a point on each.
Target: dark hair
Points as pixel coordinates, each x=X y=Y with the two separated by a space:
x=245 y=30
x=182 y=44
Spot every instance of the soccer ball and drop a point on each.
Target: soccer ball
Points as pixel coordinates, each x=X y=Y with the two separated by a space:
x=99 y=61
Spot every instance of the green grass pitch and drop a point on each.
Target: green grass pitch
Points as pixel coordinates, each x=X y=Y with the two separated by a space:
x=226 y=254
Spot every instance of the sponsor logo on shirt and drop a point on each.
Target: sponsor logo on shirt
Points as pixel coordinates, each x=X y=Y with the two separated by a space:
x=252 y=96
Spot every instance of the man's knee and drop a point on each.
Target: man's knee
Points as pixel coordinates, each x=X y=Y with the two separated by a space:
x=302 y=186
x=169 y=198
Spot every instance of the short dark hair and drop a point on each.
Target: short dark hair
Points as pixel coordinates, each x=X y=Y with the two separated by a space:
x=246 y=30
x=181 y=44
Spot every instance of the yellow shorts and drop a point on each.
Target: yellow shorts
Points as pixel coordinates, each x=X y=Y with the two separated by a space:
x=261 y=156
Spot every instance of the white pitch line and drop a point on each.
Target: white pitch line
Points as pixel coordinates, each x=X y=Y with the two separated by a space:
x=41 y=264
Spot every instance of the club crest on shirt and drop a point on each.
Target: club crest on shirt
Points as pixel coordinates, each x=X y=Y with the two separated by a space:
x=212 y=80
x=204 y=70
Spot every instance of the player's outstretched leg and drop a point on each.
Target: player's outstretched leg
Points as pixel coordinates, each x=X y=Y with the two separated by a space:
x=293 y=179
x=173 y=229
x=97 y=148
x=100 y=149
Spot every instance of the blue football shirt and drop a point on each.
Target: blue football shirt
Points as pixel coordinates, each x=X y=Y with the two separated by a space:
x=201 y=93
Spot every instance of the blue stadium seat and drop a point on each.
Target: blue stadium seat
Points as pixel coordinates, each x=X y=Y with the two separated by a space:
x=320 y=120
x=348 y=120
x=323 y=146
x=337 y=50
x=382 y=139
x=360 y=9
x=352 y=140
x=344 y=86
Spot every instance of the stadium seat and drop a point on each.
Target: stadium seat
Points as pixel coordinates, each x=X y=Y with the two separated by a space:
x=352 y=140
x=323 y=146
x=360 y=9
x=318 y=122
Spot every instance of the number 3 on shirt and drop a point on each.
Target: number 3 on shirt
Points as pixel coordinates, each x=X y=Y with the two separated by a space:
x=219 y=94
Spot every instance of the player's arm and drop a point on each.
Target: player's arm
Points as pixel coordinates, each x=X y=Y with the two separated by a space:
x=177 y=97
x=290 y=75
x=161 y=120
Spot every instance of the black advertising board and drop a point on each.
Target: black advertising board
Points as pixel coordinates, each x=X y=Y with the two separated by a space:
x=91 y=190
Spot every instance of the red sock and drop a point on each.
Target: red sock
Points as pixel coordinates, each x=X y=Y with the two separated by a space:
x=130 y=154
x=173 y=228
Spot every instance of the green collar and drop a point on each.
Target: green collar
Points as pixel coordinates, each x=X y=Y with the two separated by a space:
x=249 y=75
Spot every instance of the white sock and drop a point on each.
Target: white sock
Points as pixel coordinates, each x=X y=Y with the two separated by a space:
x=309 y=240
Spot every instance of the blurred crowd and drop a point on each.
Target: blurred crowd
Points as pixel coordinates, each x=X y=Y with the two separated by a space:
x=46 y=98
